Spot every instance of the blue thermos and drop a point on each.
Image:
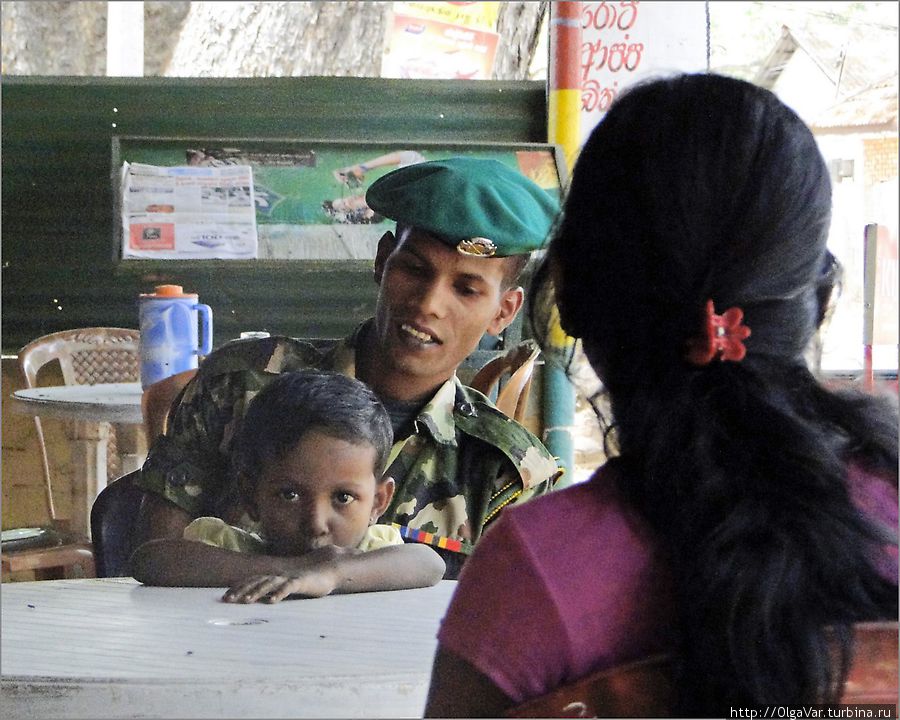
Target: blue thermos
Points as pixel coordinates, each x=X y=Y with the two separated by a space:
x=170 y=322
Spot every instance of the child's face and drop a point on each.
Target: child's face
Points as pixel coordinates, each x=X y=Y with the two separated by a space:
x=323 y=492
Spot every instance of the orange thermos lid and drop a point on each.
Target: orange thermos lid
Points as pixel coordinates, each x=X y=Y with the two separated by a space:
x=169 y=291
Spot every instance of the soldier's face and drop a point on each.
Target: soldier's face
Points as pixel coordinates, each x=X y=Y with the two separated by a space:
x=434 y=306
x=322 y=492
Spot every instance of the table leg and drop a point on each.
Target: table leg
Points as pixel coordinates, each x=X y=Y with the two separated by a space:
x=88 y=441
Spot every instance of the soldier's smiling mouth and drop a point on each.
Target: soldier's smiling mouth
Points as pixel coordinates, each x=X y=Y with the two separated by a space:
x=419 y=335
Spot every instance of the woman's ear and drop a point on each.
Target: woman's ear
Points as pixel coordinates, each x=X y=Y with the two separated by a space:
x=384 y=493
x=386 y=245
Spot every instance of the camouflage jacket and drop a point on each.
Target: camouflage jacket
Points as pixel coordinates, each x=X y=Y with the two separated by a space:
x=462 y=465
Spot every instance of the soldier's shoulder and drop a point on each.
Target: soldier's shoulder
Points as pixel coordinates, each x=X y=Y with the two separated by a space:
x=277 y=353
x=530 y=457
x=477 y=415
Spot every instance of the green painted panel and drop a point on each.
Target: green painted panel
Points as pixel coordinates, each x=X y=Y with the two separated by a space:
x=58 y=260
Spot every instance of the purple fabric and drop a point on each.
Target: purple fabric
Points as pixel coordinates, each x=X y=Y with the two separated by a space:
x=876 y=495
x=571 y=583
x=558 y=588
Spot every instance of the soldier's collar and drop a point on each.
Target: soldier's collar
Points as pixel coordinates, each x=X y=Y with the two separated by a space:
x=342 y=356
x=437 y=415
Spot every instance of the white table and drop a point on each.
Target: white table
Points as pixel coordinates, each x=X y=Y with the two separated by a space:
x=88 y=409
x=113 y=648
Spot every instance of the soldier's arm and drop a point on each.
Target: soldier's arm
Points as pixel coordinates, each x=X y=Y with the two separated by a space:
x=184 y=468
x=510 y=488
x=159 y=518
x=540 y=488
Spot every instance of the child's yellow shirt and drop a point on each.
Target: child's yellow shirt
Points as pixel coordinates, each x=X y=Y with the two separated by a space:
x=216 y=532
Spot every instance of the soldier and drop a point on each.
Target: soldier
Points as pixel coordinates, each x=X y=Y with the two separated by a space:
x=465 y=229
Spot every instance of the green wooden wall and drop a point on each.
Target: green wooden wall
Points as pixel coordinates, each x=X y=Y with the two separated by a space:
x=59 y=268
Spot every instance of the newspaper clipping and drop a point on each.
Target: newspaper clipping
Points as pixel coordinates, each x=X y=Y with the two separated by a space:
x=188 y=212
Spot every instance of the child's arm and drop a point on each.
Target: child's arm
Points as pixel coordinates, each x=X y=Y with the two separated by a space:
x=187 y=563
x=346 y=570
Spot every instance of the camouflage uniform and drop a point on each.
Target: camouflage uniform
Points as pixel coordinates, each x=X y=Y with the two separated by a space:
x=464 y=462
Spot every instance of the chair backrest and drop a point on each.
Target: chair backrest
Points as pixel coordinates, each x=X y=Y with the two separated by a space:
x=645 y=689
x=874 y=675
x=636 y=689
x=113 y=518
x=157 y=399
x=86 y=356
x=518 y=362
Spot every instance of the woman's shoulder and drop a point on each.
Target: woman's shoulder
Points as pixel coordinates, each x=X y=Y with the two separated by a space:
x=592 y=515
x=597 y=494
x=574 y=565
x=873 y=490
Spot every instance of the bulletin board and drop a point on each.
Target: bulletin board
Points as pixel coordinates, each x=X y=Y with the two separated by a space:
x=309 y=196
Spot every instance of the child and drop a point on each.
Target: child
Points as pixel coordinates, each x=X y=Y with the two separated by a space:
x=308 y=460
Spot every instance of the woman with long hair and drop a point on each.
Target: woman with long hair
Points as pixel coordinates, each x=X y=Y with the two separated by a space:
x=749 y=516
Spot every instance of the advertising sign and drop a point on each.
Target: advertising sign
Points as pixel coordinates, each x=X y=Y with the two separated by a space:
x=441 y=41
x=623 y=42
x=466 y=14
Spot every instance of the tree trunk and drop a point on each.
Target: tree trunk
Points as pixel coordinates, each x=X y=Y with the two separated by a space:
x=275 y=39
x=162 y=26
x=519 y=27
x=236 y=39
x=54 y=38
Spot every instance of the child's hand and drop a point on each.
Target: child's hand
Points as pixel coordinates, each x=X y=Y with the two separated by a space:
x=312 y=575
x=316 y=582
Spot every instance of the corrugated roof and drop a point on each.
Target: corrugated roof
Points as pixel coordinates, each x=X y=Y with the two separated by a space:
x=778 y=58
x=874 y=106
x=849 y=57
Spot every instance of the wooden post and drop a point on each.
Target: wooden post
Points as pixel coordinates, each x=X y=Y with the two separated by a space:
x=870 y=250
x=125 y=39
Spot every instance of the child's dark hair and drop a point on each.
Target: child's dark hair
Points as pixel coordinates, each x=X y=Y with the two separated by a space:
x=296 y=403
x=703 y=187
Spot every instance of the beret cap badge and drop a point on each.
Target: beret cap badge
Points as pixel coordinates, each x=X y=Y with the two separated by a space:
x=478 y=246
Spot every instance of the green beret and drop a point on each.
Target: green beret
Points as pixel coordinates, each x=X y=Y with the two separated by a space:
x=467 y=201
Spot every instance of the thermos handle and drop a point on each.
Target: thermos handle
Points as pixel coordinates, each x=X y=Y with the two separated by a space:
x=206 y=328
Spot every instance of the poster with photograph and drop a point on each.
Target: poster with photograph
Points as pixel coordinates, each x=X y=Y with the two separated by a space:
x=309 y=197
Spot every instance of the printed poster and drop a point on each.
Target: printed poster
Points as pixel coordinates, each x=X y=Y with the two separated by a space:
x=427 y=43
x=481 y=15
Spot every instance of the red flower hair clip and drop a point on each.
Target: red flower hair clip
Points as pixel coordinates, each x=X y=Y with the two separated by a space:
x=722 y=337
